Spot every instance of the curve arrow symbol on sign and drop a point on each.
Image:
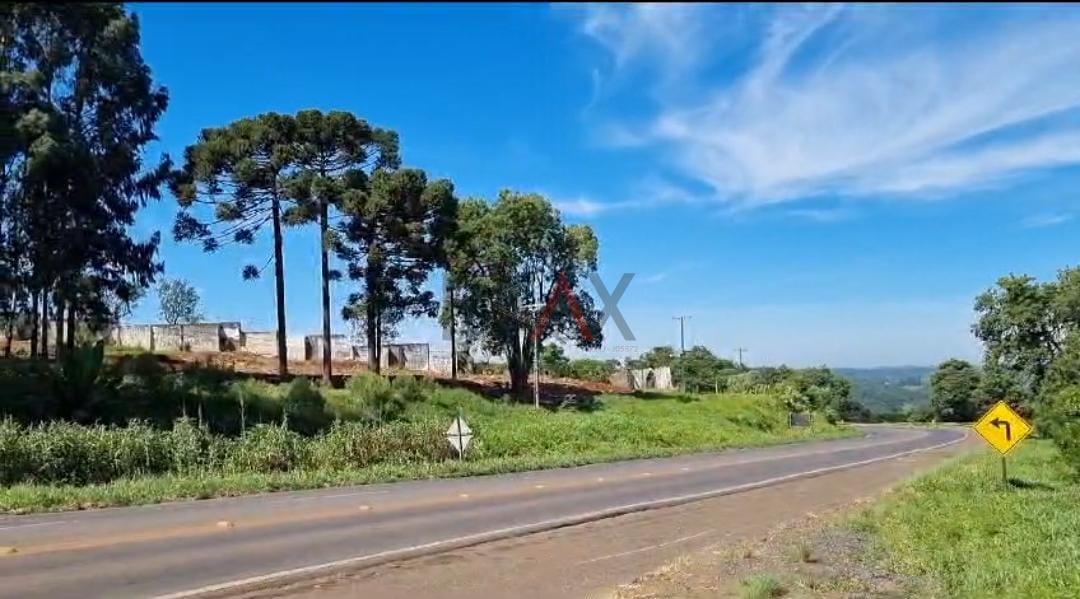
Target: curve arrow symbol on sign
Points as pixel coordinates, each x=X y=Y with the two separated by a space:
x=998 y=423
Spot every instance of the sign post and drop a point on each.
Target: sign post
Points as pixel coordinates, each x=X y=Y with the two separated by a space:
x=1003 y=429
x=459 y=435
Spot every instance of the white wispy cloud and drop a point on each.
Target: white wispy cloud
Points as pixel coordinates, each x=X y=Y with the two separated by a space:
x=668 y=30
x=855 y=101
x=821 y=215
x=646 y=193
x=1036 y=221
x=585 y=207
x=654 y=278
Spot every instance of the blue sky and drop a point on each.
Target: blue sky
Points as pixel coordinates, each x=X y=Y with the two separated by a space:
x=821 y=185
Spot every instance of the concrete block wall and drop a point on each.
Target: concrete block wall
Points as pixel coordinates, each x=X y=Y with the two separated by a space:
x=133 y=335
x=439 y=361
x=232 y=336
x=340 y=348
x=262 y=343
x=651 y=378
x=410 y=356
x=205 y=337
x=360 y=353
x=167 y=337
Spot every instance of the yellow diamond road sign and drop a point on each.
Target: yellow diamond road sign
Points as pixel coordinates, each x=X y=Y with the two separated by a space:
x=1002 y=427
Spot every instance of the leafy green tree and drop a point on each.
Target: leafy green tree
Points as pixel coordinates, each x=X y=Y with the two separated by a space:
x=512 y=256
x=553 y=360
x=998 y=383
x=232 y=184
x=696 y=369
x=662 y=355
x=179 y=302
x=336 y=152
x=79 y=108
x=823 y=388
x=395 y=230
x=953 y=391
x=1021 y=327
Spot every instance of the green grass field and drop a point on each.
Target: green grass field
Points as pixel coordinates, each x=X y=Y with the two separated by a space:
x=961 y=529
x=508 y=438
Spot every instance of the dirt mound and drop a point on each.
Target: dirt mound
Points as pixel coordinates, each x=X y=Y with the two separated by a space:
x=551 y=389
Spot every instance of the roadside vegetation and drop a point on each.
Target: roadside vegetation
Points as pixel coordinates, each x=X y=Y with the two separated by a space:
x=138 y=434
x=961 y=529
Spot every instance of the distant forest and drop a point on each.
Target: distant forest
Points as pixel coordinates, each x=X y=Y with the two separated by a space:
x=889 y=390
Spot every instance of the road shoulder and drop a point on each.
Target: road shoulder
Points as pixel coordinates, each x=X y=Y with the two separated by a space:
x=599 y=558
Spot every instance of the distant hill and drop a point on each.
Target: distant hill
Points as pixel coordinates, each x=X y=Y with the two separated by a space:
x=888 y=389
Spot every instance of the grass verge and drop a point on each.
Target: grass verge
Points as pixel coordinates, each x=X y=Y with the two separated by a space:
x=509 y=438
x=963 y=529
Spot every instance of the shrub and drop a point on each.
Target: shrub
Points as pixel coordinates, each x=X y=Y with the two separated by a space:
x=256 y=402
x=591 y=370
x=267 y=448
x=15 y=458
x=304 y=408
x=381 y=400
x=81 y=382
x=1061 y=421
x=355 y=445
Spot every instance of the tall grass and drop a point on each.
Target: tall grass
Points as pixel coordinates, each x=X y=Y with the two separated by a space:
x=236 y=436
x=962 y=529
x=63 y=453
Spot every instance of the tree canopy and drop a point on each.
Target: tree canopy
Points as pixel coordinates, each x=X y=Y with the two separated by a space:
x=395 y=229
x=519 y=273
x=79 y=108
x=954 y=388
x=179 y=302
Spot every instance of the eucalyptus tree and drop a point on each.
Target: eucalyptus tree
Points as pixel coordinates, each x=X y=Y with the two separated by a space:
x=80 y=109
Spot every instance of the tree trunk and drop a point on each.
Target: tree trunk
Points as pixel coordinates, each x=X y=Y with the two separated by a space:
x=71 y=327
x=279 y=290
x=59 y=325
x=324 y=226
x=45 y=323
x=519 y=379
x=378 y=339
x=34 y=314
x=371 y=330
x=10 y=326
x=518 y=367
x=453 y=338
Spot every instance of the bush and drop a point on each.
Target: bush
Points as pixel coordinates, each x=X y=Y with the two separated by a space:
x=355 y=445
x=587 y=369
x=304 y=408
x=383 y=401
x=267 y=448
x=1061 y=421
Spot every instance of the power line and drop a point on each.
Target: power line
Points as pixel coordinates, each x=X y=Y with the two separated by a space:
x=741 y=350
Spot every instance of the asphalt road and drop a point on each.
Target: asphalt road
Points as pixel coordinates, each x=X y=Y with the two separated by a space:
x=224 y=545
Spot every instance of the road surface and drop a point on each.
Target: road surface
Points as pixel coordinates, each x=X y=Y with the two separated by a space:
x=223 y=546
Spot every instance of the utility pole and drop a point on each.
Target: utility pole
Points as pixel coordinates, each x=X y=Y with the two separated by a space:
x=682 y=332
x=536 y=308
x=741 y=350
x=453 y=337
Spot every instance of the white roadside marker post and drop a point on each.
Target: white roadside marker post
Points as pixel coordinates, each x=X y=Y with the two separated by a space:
x=459 y=435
